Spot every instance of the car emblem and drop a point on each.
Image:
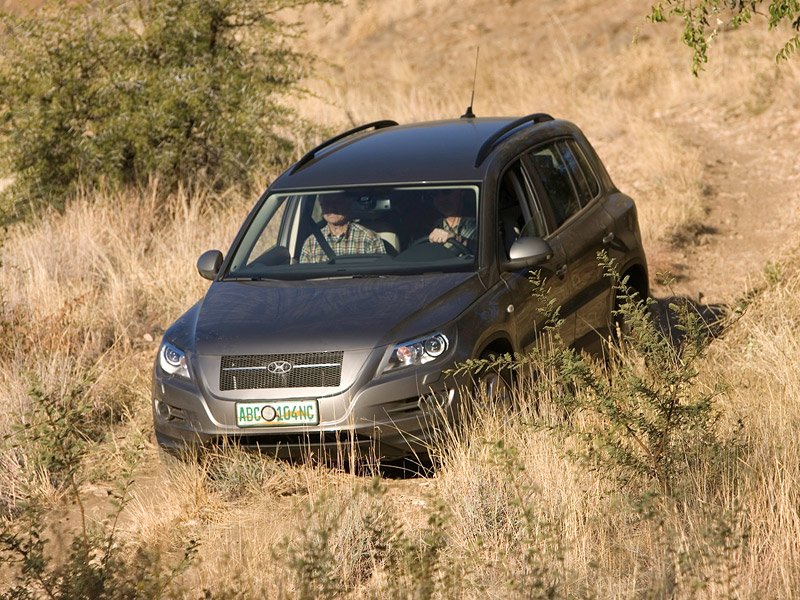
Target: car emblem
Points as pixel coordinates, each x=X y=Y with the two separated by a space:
x=279 y=367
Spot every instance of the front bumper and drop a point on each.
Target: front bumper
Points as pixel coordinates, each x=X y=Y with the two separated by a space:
x=386 y=418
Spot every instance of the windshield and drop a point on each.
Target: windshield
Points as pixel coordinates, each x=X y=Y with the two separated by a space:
x=369 y=231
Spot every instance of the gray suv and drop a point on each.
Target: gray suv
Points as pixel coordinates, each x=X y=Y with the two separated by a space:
x=381 y=259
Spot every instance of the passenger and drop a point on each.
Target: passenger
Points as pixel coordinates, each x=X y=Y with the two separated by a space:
x=344 y=236
x=454 y=225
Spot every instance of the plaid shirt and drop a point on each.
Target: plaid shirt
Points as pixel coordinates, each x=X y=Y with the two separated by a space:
x=356 y=240
x=465 y=231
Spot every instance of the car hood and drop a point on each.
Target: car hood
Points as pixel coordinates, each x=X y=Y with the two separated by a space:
x=328 y=315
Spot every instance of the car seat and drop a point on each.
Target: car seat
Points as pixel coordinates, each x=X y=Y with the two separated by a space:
x=391 y=241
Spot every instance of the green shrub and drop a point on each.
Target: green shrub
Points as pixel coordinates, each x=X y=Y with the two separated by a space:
x=644 y=420
x=641 y=417
x=702 y=20
x=98 y=563
x=185 y=91
x=647 y=417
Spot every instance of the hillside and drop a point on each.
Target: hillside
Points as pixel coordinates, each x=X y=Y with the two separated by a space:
x=714 y=167
x=695 y=153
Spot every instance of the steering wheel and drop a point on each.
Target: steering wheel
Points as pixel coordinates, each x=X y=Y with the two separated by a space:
x=461 y=247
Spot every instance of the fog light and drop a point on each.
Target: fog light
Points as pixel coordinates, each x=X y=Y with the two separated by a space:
x=163 y=410
x=437 y=399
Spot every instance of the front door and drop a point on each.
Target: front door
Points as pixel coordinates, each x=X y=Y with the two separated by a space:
x=520 y=214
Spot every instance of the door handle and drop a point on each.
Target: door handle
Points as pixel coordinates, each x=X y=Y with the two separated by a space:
x=608 y=238
x=561 y=271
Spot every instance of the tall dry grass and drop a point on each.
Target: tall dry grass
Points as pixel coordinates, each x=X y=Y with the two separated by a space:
x=509 y=501
x=758 y=360
x=249 y=511
x=85 y=295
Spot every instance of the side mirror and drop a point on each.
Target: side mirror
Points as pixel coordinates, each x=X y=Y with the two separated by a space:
x=209 y=263
x=527 y=252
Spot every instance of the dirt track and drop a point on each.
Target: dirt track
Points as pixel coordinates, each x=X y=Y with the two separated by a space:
x=752 y=200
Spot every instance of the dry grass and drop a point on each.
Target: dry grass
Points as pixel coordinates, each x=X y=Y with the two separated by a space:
x=622 y=80
x=249 y=511
x=758 y=359
x=85 y=295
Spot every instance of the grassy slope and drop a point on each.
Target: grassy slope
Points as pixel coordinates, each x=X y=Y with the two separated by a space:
x=86 y=294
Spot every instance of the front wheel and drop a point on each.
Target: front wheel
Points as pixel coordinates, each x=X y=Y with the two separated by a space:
x=495 y=383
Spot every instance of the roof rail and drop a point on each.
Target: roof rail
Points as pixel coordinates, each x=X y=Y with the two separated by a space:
x=489 y=144
x=308 y=156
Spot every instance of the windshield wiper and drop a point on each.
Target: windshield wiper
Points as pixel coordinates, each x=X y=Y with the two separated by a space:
x=251 y=278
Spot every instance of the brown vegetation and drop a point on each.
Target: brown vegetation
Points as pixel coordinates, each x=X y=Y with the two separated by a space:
x=86 y=294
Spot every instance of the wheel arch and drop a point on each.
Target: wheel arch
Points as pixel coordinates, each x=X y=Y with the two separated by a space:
x=637 y=279
x=498 y=345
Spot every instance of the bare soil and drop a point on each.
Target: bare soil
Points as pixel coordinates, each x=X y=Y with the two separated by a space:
x=752 y=206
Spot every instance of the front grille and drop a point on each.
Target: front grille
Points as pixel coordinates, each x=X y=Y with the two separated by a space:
x=270 y=371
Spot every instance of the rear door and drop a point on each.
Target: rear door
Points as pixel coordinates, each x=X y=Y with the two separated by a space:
x=583 y=227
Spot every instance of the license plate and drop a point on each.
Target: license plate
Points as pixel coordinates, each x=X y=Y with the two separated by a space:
x=277 y=414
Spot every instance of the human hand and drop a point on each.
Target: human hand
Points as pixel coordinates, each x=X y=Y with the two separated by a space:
x=439 y=236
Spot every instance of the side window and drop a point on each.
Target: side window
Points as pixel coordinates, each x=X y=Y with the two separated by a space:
x=269 y=235
x=514 y=216
x=553 y=174
x=585 y=195
x=537 y=225
x=586 y=169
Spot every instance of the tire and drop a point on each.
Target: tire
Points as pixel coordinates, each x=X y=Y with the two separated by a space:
x=495 y=384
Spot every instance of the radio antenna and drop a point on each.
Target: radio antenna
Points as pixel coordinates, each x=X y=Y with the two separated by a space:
x=469 y=114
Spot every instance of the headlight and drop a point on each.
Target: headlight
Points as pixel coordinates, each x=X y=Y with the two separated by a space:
x=172 y=360
x=418 y=352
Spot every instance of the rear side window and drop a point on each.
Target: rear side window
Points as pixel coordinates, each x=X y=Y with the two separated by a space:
x=585 y=194
x=553 y=173
x=591 y=178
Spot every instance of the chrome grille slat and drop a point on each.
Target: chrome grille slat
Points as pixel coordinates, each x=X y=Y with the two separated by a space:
x=309 y=369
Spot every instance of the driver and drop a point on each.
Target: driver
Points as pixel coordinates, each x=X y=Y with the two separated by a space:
x=453 y=225
x=344 y=236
